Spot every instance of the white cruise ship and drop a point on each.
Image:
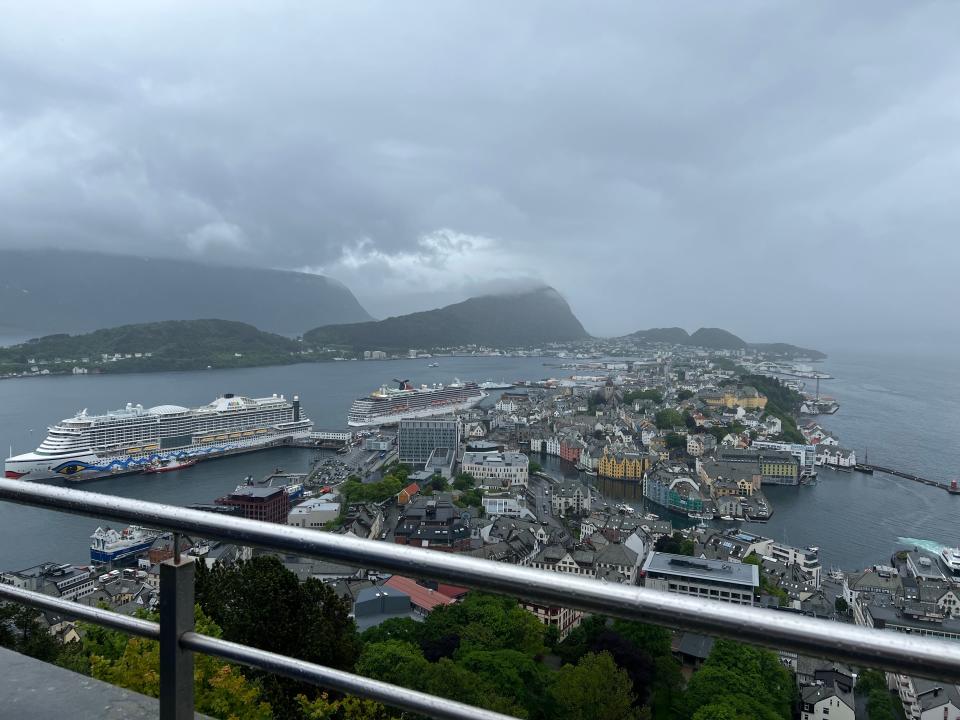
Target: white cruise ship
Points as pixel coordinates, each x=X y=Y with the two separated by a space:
x=122 y=441
x=387 y=406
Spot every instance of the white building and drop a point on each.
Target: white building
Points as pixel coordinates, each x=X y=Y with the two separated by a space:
x=826 y=702
x=552 y=446
x=807 y=559
x=315 y=512
x=497 y=470
x=570 y=496
x=507 y=405
x=730 y=582
x=928 y=699
x=835 y=456
x=506 y=504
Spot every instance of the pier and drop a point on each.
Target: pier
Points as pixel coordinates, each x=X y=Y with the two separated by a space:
x=864 y=467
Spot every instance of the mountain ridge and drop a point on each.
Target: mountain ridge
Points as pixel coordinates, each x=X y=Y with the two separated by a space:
x=46 y=292
x=536 y=316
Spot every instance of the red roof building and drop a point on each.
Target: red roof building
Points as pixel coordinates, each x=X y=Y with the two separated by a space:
x=407 y=494
x=422 y=599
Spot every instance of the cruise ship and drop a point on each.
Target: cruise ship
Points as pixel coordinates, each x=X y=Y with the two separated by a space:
x=391 y=405
x=135 y=438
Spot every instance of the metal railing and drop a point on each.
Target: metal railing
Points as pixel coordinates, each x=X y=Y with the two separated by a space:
x=897 y=652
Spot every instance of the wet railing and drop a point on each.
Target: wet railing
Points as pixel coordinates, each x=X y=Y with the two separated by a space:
x=912 y=655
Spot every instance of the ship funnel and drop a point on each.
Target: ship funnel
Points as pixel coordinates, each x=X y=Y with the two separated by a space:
x=296 y=408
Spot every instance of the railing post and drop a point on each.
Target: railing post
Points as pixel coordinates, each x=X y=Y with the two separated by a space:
x=176 y=618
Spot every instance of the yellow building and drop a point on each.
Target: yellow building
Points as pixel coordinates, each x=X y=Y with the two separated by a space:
x=622 y=465
x=747 y=397
x=781 y=471
x=739 y=488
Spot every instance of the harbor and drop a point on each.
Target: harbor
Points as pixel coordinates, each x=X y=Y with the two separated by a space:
x=839 y=512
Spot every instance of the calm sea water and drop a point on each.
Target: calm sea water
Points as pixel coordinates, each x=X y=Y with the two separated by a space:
x=901 y=408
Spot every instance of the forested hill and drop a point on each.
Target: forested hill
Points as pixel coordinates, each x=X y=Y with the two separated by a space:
x=53 y=291
x=719 y=339
x=527 y=319
x=170 y=345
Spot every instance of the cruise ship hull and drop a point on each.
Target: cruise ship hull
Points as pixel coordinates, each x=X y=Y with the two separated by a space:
x=90 y=466
x=394 y=418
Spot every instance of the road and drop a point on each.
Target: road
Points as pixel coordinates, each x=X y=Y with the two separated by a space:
x=540 y=498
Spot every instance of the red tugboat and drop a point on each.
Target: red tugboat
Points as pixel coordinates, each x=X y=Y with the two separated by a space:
x=953 y=488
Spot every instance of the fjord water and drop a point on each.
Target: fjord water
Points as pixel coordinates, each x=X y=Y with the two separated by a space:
x=903 y=409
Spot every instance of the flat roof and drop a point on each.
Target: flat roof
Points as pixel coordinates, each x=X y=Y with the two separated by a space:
x=506 y=459
x=701 y=569
x=256 y=491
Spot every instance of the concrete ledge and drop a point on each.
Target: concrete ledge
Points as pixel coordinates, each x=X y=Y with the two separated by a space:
x=35 y=690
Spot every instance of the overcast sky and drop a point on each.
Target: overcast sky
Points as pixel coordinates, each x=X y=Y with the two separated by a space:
x=786 y=172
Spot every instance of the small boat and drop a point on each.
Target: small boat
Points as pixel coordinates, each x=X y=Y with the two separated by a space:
x=727 y=518
x=168 y=465
x=434 y=365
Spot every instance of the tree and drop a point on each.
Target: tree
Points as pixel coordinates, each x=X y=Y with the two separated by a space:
x=653 y=395
x=668 y=418
x=470 y=498
x=403 y=663
x=676 y=544
x=652 y=639
x=262 y=604
x=551 y=637
x=395 y=661
x=535 y=467
x=723 y=710
x=685 y=394
x=220 y=689
x=593 y=689
x=515 y=675
x=22 y=632
x=347 y=708
x=578 y=641
x=393 y=629
x=464 y=481
x=870 y=680
x=841 y=606
x=745 y=680
x=676 y=441
x=880 y=706
x=354 y=491
x=638 y=664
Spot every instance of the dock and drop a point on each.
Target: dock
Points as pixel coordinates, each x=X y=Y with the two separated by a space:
x=867 y=468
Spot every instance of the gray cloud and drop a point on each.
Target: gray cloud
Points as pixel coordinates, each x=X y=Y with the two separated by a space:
x=787 y=172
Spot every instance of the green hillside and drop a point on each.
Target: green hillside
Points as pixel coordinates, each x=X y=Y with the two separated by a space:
x=527 y=319
x=169 y=345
